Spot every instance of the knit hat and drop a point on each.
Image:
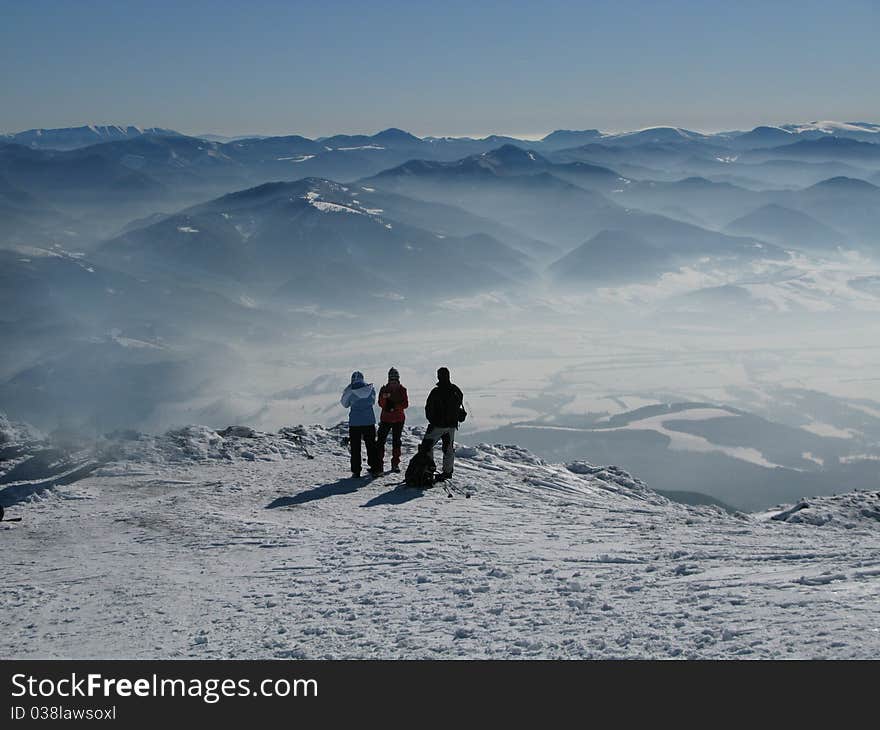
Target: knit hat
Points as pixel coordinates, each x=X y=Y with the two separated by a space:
x=393 y=375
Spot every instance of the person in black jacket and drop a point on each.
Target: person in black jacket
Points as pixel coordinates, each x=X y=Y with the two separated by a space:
x=444 y=411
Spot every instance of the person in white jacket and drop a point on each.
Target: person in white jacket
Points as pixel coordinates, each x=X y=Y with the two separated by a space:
x=360 y=397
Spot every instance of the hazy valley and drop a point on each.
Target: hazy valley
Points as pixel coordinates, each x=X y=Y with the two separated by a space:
x=698 y=308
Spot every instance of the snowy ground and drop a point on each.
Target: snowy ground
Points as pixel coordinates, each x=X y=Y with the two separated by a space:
x=200 y=545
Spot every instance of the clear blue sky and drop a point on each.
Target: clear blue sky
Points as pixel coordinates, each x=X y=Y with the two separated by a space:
x=443 y=67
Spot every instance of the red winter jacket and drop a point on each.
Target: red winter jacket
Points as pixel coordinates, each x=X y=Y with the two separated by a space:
x=393 y=400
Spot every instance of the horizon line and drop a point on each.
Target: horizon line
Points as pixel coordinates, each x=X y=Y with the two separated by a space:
x=523 y=136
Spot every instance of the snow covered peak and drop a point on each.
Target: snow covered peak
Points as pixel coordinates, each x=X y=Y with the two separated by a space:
x=323 y=195
x=312 y=187
x=482 y=464
x=294 y=558
x=655 y=134
x=73 y=137
x=832 y=127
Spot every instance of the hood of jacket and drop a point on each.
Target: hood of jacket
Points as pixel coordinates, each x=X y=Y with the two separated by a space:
x=361 y=389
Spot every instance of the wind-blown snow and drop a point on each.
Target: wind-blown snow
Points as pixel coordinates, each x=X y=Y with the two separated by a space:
x=846 y=510
x=12 y=432
x=244 y=544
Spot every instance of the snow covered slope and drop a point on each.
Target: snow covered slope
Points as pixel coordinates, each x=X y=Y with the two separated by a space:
x=69 y=138
x=240 y=544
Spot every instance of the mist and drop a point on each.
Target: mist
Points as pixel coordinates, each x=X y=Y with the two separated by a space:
x=696 y=308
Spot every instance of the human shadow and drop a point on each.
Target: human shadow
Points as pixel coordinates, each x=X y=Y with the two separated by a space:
x=394 y=496
x=331 y=489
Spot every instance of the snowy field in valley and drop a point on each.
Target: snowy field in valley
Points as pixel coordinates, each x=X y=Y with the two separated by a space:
x=254 y=545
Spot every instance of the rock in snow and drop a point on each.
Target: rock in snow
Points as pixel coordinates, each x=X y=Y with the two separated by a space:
x=238 y=543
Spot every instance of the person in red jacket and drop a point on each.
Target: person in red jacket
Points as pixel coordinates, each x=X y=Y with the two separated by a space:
x=394 y=401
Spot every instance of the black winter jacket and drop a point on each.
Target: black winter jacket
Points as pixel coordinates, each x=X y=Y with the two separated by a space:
x=444 y=406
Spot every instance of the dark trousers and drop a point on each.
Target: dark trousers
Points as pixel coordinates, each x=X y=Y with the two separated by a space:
x=396 y=430
x=368 y=435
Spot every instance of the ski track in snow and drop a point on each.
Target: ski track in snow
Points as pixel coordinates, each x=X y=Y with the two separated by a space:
x=243 y=547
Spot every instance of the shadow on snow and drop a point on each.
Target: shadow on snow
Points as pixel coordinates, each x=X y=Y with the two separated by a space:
x=331 y=489
x=348 y=485
x=393 y=496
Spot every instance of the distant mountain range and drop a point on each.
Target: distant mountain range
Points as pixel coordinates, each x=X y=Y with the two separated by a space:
x=130 y=255
x=564 y=203
x=311 y=239
x=669 y=186
x=683 y=192
x=72 y=137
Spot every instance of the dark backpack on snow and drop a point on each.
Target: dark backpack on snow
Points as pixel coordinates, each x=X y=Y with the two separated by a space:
x=421 y=469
